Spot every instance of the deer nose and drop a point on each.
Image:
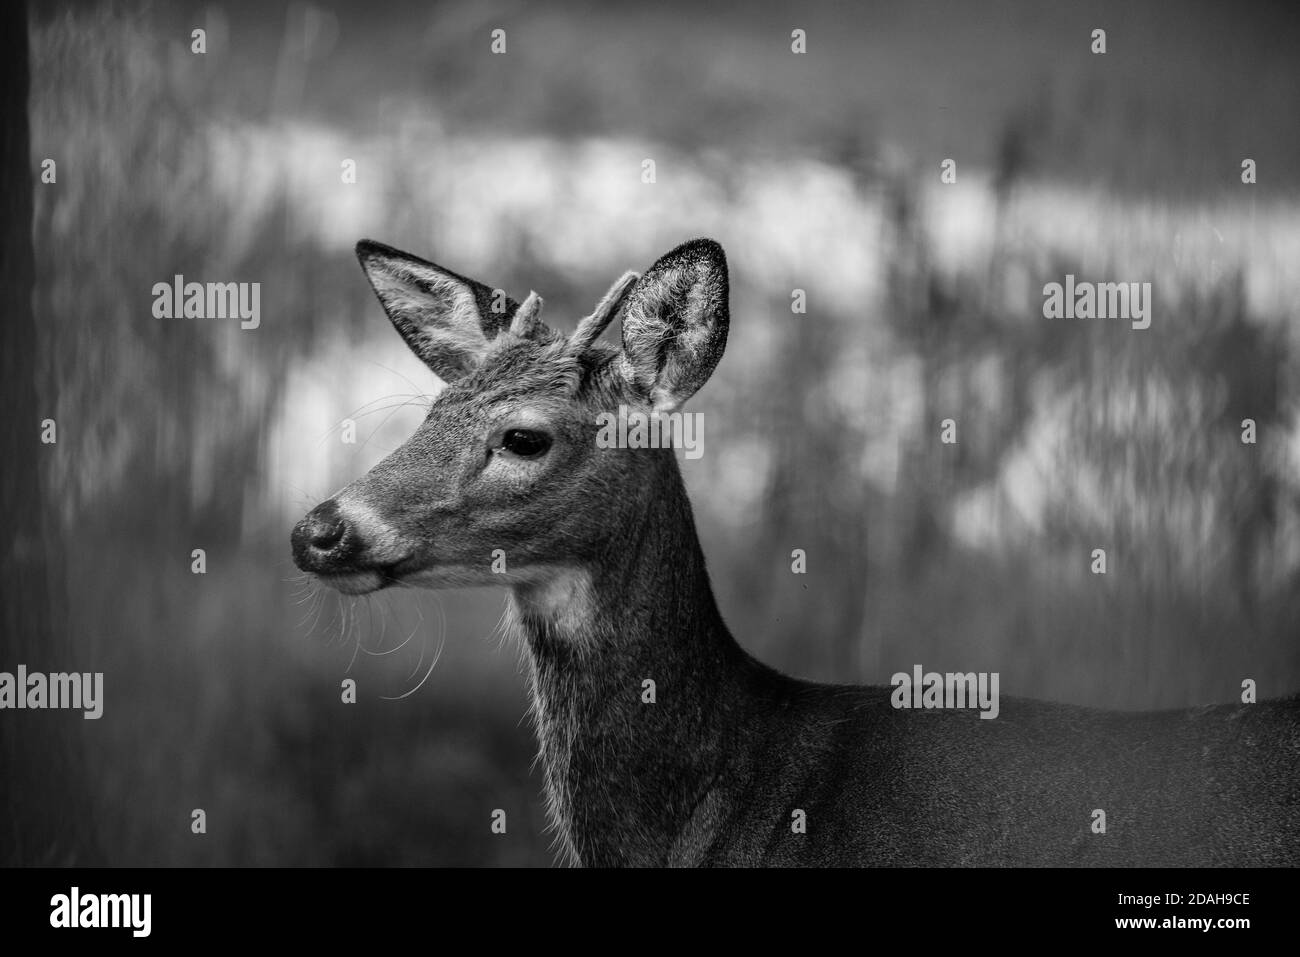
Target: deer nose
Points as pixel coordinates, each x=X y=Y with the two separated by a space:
x=318 y=537
x=324 y=527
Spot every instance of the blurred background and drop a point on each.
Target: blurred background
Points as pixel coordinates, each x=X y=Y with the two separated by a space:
x=820 y=172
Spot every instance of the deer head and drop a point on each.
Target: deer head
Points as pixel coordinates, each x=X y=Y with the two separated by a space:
x=504 y=481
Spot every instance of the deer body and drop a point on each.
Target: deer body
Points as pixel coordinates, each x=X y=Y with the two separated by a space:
x=715 y=769
x=710 y=773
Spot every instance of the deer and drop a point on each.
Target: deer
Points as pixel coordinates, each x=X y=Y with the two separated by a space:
x=733 y=763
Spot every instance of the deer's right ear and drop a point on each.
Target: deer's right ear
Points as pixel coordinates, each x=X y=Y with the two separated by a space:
x=675 y=323
x=447 y=320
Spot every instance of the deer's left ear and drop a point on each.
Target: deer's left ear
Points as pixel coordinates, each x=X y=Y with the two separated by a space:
x=447 y=320
x=675 y=323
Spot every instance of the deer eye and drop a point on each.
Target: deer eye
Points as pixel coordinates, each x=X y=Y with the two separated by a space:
x=526 y=443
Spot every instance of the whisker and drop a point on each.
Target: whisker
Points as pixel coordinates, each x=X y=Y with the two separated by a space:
x=358 y=414
x=432 y=664
x=380 y=426
x=401 y=376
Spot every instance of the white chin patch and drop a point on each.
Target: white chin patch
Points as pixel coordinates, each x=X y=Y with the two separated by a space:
x=452 y=576
x=353 y=583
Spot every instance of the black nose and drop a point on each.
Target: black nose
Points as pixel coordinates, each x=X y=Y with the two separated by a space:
x=318 y=540
x=324 y=527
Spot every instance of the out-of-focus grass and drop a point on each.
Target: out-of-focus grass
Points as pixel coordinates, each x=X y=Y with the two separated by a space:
x=223 y=692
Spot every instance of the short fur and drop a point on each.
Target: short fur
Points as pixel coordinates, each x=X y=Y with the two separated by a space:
x=608 y=588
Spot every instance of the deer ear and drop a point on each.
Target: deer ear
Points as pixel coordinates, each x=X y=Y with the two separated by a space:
x=675 y=323
x=446 y=319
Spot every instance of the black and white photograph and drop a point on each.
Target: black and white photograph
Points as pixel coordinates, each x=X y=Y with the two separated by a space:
x=482 y=434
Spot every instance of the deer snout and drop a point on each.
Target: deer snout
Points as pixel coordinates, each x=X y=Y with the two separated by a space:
x=321 y=541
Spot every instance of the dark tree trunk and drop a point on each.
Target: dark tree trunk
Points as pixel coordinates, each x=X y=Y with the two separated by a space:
x=42 y=800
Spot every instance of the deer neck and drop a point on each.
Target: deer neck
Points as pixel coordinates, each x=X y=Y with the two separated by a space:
x=627 y=762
